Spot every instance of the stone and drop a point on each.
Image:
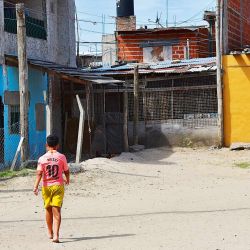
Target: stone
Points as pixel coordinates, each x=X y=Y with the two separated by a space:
x=136 y=148
x=239 y=146
x=75 y=168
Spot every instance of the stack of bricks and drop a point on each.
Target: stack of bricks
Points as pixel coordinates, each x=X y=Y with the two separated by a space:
x=126 y=23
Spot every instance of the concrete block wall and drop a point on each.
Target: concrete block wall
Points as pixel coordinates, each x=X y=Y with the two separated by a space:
x=66 y=52
x=60 y=44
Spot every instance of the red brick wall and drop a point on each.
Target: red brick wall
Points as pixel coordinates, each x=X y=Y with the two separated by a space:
x=129 y=43
x=238 y=24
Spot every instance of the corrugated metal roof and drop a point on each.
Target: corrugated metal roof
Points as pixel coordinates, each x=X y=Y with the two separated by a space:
x=70 y=71
x=171 y=67
x=191 y=28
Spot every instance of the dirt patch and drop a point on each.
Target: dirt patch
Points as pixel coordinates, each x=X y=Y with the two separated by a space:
x=155 y=199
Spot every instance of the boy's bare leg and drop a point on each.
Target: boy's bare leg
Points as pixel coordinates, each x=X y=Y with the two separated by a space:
x=49 y=220
x=57 y=222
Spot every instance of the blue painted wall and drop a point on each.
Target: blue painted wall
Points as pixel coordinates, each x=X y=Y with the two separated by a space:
x=37 y=84
x=1 y=79
x=37 y=139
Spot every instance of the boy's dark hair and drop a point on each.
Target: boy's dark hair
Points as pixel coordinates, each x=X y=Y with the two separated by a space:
x=52 y=141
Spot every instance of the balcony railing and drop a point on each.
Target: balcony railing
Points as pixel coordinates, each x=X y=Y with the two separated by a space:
x=34 y=27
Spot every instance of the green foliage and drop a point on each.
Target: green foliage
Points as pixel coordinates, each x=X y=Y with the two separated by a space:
x=243 y=165
x=6 y=174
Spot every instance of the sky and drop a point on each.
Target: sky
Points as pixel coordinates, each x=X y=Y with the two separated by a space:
x=93 y=13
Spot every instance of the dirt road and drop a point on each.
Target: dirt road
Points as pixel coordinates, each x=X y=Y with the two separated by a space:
x=170 y=199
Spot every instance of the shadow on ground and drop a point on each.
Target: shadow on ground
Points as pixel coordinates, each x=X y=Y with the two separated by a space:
x=75 y=239
x=181 y=212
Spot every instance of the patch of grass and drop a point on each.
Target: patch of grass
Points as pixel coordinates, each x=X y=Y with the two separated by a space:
x=7 y=174
x=187 y=143
x=243 y=165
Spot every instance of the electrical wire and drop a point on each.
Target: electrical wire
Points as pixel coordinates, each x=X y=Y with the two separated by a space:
x=191 y=19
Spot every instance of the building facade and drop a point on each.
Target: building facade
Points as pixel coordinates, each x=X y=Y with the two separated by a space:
x=50 y=38
x=155 y=45
x=177 y=105
x=50 y=30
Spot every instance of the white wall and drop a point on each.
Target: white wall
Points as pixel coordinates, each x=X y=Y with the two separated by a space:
x=109 y=55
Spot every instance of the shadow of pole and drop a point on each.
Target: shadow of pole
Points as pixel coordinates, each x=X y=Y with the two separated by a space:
x=180 y=212
x=75 y=239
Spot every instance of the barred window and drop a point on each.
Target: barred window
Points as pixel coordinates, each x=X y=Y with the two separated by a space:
x=14 y=119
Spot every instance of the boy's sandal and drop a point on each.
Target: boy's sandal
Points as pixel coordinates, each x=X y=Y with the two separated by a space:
x=55 y=241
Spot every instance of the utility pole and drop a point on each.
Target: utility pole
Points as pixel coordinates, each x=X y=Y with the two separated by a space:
x=78 y=41
x=23 y=80
x=219 y=74
x=136 y=104
x=103 y=24
x=125 y=120
x=166 y=13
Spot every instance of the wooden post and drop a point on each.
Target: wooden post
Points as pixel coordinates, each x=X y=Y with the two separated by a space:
x=13 y=165
x=23 y=80
x=65 y=131
x=219 y=75
x=136 y=104
x=78 y=60
x=104 y=120
x=80 y=130
x=48 y=113
x=125 y=120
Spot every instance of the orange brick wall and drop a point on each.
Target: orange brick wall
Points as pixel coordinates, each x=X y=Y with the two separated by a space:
x=129 y=43
x=238 y=24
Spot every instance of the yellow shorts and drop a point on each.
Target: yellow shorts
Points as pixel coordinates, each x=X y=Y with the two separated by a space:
x=53 y=196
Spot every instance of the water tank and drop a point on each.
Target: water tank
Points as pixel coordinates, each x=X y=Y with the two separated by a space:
x=125 y=8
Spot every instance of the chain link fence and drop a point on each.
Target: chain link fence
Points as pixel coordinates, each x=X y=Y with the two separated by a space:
x=171 y=110
x=191 y=102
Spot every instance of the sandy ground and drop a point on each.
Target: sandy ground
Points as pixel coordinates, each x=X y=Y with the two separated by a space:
x=156 y=199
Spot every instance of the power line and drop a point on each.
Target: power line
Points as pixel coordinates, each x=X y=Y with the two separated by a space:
x=97 y=32
x=198 y=13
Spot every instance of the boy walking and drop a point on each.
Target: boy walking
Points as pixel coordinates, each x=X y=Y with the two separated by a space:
x=51 y=167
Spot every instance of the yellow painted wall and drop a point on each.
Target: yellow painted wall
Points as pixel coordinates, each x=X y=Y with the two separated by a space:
x=236 y=81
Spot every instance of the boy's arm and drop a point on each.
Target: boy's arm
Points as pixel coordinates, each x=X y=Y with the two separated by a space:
x=66 y=171
x=39 y=175
x=67 y=175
